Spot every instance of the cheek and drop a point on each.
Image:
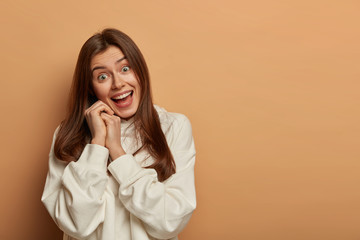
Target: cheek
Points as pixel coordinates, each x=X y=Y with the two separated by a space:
x=135 y=83
x=100 y=91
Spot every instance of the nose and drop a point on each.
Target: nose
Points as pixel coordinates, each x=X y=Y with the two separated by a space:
x=118 y=82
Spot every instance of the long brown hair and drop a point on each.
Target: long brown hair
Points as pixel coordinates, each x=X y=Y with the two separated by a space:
x=74 y=132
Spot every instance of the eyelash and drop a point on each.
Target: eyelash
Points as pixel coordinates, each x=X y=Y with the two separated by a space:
x=99 y=77
x=106 y=76
x=128 y=68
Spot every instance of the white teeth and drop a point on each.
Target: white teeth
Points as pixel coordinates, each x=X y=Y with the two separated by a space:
x=122 y=96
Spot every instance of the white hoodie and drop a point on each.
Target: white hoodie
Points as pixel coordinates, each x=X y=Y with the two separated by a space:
x=122 y=200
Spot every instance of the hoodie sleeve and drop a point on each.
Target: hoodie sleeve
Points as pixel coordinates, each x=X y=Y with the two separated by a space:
x=73 y=193
x=163 y=207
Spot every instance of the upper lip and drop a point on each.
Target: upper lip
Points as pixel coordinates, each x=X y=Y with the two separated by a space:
x=121 y=93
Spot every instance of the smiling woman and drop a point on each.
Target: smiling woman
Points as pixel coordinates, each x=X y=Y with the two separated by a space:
x=115 y=83
x=120 y=167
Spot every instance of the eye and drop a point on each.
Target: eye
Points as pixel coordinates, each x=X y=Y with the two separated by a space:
x=102 y=77
x=125 y=69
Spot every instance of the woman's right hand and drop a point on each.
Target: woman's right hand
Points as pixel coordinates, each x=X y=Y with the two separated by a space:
x=96 y=123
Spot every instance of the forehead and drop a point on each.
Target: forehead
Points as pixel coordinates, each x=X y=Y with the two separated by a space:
x=107 y=57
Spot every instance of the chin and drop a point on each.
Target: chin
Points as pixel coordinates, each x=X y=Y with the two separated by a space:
x=125 y=114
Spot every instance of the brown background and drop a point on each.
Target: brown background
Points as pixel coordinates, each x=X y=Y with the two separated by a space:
x=271 y=89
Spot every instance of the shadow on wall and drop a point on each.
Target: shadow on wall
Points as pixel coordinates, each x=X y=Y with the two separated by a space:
x=56 y=99
x=45 y=226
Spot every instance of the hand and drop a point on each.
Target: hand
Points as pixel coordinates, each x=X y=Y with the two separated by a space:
x=96 y=123
x=113 y=135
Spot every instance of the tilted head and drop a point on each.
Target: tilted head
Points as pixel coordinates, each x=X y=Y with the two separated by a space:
x=99 y=45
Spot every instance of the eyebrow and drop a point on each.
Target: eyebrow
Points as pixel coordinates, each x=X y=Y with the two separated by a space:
x=102 y=67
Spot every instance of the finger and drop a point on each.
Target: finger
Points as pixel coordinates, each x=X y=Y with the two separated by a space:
x=94 y=105
x=105 y=108
x=110 y=119
x=97 y=104
x=101 y=107
x=91 y=108
x=105 y=117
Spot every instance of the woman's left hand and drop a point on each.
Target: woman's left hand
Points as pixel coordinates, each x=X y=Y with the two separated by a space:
x=113 y=135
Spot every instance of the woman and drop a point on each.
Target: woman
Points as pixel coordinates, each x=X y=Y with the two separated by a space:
x=119 y=167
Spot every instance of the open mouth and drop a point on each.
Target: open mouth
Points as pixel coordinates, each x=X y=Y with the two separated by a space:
x=123 y=98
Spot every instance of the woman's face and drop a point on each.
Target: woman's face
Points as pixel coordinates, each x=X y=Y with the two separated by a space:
x=115 y=83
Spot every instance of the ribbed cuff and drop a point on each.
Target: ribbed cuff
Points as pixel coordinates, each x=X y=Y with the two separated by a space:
x=124 y=168
x=95 y=157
